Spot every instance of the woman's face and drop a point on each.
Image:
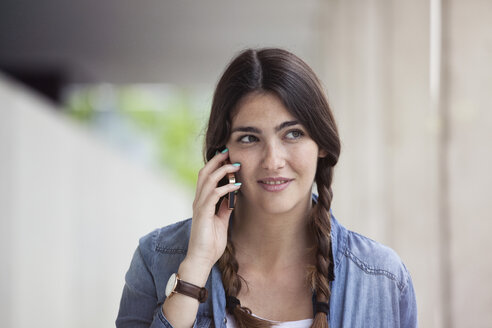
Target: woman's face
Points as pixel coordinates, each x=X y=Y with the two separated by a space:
x=278 y=158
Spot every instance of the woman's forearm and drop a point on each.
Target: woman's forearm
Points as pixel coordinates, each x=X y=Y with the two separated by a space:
x=181 y=310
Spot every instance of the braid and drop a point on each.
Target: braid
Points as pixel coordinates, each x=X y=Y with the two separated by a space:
x=321 y=274
x=318 y=275
x=232 y=284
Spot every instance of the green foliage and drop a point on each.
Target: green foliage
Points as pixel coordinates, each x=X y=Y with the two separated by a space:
x=80 y=106
x=168 y=119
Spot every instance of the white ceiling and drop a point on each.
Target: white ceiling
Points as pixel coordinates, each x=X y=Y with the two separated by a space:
x=183 y=42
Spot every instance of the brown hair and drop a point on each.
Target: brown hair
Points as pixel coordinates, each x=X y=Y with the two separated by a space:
x=281 y=73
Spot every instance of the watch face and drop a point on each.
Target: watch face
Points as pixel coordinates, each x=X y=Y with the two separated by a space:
x=171 y=284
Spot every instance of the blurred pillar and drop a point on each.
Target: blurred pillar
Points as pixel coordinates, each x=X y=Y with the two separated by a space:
x=386 y=186
x=467 y=85
x=414 y=170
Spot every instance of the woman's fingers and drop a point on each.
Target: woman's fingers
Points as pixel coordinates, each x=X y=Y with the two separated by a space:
x=213 y=197
x=205 y=206
x=211 y=182
x=212 y=165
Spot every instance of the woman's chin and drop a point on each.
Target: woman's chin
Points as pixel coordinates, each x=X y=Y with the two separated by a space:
x=273 y=206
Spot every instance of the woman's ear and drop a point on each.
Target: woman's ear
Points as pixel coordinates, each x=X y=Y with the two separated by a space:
x=322 y=153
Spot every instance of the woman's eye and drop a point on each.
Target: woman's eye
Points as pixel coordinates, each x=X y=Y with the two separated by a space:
x=248 y=139
x=294 y=134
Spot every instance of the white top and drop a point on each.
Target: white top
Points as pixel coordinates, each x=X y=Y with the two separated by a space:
x=305 y=323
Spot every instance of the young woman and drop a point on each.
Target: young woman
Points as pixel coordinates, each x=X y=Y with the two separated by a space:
x=279 y=258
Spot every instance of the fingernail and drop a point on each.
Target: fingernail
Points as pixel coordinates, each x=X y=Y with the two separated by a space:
x=225 y=151
x=238 y=184
x=216 y=152
x=236 y=164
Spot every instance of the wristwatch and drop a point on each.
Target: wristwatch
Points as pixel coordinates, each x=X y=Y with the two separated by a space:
x=178 y=286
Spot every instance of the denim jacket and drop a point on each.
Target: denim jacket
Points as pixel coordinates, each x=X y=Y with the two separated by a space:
x=372 y=287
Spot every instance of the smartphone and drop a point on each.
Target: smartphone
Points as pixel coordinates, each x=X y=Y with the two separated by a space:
x=232 y=179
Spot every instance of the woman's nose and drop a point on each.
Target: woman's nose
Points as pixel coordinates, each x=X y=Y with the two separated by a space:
x=273 y=158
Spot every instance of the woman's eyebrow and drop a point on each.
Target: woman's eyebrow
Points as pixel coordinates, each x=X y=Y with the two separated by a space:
x=252 y=129
x=246 y=129
x=285 y=125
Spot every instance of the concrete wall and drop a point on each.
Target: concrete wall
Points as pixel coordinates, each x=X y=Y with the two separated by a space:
x=71 y=213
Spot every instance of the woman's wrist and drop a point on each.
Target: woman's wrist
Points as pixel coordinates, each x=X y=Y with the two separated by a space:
x=194 y=271
x=179 y=309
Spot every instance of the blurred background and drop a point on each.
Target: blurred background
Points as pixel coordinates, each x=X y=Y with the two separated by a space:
x=102 y=113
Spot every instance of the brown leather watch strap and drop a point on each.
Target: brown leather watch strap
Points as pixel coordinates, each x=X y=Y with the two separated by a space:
x=185 y=288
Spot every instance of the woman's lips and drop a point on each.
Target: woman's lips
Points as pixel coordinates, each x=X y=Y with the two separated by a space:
x=274 y=184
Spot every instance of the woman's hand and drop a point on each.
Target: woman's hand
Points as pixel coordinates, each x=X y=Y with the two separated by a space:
x=209 y=230
x=208 y=237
